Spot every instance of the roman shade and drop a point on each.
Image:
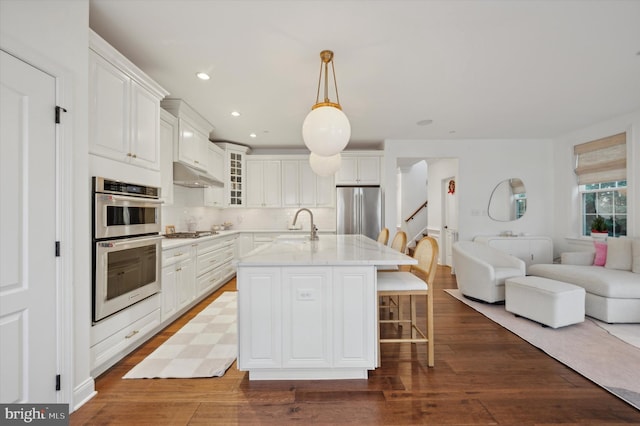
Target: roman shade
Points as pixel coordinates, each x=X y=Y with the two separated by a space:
x=602 y=160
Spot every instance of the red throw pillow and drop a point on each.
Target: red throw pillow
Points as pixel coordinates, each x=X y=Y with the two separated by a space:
x=601 y=254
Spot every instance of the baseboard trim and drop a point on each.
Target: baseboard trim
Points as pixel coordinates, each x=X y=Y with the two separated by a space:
x=83 y=393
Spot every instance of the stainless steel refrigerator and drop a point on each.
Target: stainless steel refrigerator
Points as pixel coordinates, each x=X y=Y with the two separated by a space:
x=359 y=210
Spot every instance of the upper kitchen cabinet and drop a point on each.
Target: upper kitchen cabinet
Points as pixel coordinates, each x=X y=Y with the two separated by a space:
x=263 y=182
x=168 y=138
x=301 y=187
x=124 y=108
x=192 y=148
x=359 y=168
x=235 y=179
x=214 y=196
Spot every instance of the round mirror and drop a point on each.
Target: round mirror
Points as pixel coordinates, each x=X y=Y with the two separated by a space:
x=508 y=200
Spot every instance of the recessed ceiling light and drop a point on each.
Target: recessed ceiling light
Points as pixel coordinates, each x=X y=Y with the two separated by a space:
x=424 y=122
x=235 y=113
x=253 y=135
x=203 y=76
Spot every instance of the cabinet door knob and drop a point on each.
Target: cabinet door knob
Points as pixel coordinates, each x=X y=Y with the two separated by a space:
x=129 y=154
x=134 y=156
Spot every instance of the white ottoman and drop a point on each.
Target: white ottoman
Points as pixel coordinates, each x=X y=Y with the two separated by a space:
x=549 y=302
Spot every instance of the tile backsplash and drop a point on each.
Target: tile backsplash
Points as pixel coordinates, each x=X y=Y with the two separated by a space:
x=187 y=213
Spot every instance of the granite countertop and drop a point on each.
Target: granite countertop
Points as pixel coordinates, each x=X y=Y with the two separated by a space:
x=328 y=250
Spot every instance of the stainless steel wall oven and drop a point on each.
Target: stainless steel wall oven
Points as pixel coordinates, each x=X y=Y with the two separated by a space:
x=126 y=245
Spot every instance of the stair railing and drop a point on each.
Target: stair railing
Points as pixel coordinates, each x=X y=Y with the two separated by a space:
x=422 y=206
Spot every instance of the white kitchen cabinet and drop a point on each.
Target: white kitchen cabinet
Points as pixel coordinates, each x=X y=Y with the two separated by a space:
x=325 y=191
x=124 y=108
x=263 y=183
x=168 y=137
x=316 y=320
x=359 y=169
x=298 y=184
x=301 y=187
x=192 y=148
x=216 y=161
x=214 y=263
x=531 y=249
x=178 y=279
x=235 y=182
x=117 y=335
x=214 y=196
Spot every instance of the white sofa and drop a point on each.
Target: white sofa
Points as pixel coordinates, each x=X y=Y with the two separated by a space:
x=482 y=270
x=612 y=290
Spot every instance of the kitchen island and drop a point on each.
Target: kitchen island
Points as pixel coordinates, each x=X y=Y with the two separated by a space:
x=307 y=308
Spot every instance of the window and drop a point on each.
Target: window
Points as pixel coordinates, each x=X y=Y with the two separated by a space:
x=609 y=200
x=601 y=168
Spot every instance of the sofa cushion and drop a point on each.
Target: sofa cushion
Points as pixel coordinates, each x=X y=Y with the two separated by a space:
x=618 y=254
x=635 y=251
x=601 y=254
x=594 y=279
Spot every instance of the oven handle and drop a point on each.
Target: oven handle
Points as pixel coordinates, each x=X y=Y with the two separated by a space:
x=105 y=197
x=117 y=243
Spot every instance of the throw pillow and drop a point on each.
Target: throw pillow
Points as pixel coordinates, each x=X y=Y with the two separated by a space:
x=601 y=254
x=635 y=251
x=618 y=254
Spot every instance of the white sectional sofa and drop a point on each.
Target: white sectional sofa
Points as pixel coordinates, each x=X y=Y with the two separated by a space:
x=612 y=290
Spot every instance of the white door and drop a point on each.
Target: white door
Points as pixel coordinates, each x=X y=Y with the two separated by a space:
x=449 y=220
x=28 y=353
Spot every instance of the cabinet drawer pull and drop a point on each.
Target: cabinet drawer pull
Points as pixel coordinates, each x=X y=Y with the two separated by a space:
x=179 y=269
x=134 y=156
x=178 y=254
x=212 y=261
x=196 y=161
x=130 y=335
x=129 y=154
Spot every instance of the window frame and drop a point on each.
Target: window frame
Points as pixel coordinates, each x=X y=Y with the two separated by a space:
x=602 y=187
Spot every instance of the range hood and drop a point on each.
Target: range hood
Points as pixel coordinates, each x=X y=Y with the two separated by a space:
x=184 y=175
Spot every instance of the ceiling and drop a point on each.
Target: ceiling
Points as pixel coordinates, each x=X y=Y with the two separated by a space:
x=477 y=69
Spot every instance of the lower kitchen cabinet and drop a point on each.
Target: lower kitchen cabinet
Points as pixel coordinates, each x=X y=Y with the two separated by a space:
x=306 y=320
x=189 y=273
x=178 y=279
x=214 y=263
x=117 y=335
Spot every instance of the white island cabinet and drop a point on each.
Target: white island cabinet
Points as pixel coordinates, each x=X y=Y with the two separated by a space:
x=307 y=309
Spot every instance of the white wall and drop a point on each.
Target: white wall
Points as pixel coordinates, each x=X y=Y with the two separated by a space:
x=53 y=35
x=414 y=191
x=481 y=165
x=566 y=227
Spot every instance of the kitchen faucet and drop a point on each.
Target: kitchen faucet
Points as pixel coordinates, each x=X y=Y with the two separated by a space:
x=314 y=230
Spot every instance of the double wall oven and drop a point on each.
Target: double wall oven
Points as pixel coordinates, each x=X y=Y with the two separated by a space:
x=126 y=245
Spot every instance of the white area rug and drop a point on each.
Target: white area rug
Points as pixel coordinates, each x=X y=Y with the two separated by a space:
x=592 y=348
x=204 y=347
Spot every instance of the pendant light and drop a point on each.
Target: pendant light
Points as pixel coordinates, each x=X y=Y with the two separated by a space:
x=326 y=129
x=325 y=166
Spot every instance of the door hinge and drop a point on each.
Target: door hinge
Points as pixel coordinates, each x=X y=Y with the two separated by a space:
x=57 y=382
x=57 y=248
x=58 y=109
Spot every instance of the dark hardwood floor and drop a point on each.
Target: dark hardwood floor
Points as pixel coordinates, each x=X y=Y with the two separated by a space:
x=483 y=374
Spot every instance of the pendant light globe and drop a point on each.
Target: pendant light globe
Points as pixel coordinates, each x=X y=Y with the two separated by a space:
x=326 y=131
x=324 y=166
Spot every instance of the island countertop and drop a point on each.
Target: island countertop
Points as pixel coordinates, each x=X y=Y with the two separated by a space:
x=334 y=250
